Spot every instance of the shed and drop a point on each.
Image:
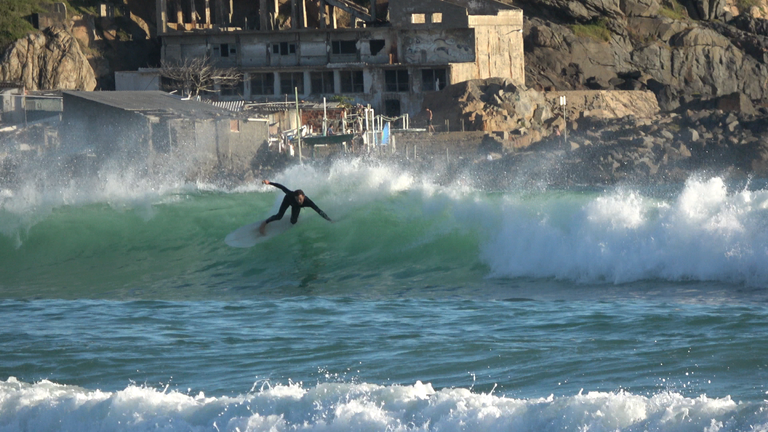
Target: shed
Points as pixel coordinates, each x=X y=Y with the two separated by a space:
x=156 y=128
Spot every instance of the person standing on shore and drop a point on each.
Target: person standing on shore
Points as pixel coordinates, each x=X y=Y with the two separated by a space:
x=430 y=128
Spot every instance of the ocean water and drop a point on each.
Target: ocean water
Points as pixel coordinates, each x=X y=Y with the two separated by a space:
x=425 y=306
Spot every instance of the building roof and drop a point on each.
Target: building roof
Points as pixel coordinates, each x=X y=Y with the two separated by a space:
x=154 y=102
x=9 y=84
x=235 y=106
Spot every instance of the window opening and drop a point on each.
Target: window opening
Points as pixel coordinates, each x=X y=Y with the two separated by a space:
x=344 y=47
x=352 y=82
x=397 y=80
x=322 y=83
x=433 y=79
x=290 y=80
x=263 y=84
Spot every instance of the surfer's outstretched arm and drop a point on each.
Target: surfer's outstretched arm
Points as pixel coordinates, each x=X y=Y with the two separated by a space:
x=308 y=203
x=278 y=185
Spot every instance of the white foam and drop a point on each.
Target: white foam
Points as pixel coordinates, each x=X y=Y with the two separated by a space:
x=47 y=406
x=704 y=233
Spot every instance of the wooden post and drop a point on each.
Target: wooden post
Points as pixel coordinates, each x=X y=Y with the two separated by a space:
x=332 y=16
x=263 y=15
x=162 y=16
x=321 y=13
x=303 y=13
x=274 y=25
x=192 y=13
x=373 y=10
x=179 y=13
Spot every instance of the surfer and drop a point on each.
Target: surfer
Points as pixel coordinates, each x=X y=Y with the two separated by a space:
x=296 y=200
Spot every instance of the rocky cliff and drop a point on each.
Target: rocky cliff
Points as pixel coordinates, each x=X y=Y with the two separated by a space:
x=681 y=52
x=84 y=50
x=51 y=59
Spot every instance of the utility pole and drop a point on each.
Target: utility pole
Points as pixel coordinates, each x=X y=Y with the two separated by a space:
x=565 y=120
x=298 y=123
x=24 y=103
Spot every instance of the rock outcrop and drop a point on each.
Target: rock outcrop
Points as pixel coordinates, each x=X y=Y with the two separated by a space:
x=605 y=104
x=638 y=47
x=51 y=59
x=492 y=104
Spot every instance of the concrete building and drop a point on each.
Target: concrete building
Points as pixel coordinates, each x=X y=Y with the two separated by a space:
x=151 y=127
x=20 y=106
x=143 y=79
x=389 y=56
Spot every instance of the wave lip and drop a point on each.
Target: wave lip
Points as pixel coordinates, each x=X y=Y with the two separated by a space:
x=704 y=233
x=47 y=406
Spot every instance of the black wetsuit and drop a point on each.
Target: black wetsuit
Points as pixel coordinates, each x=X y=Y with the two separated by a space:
x=290 y=200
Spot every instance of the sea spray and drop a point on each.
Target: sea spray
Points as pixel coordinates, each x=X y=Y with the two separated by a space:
x=392 y=219
x=702 y=233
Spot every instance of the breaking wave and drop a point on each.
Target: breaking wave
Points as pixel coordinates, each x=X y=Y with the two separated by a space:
x=47 y=406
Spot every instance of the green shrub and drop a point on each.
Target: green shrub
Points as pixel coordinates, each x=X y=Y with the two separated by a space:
x=84 y=7
x=597 y=29
x=344 y=101
x=674 y=10
x=745 y=5
x=669 y=13
x=13 y=22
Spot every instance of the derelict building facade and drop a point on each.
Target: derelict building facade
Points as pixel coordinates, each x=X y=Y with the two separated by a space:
x=388 y=57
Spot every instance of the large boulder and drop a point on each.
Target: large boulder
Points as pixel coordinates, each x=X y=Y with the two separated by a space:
x=749 y=24
x=640 y=8
x=51 y=59
x=492 y=104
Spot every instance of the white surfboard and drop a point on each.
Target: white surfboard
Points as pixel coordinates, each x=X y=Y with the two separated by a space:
x=248 y=235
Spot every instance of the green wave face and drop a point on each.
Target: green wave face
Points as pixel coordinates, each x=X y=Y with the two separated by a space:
x=385 y=238
x=395 y=233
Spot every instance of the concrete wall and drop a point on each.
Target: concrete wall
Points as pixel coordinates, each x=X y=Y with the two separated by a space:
x=131 y=137
x=438 y=46
x=402 y=14
x=137 y=80
x=244 y=145
x=106 y=131
x=499 y=45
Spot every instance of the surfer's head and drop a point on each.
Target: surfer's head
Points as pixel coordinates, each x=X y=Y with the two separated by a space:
x=300 y=196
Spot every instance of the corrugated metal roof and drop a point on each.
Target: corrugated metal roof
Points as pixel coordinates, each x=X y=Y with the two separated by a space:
x=144 y=101
x=285 y=106
x=235 y=106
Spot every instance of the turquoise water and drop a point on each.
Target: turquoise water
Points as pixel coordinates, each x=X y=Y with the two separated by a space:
x=423 y=307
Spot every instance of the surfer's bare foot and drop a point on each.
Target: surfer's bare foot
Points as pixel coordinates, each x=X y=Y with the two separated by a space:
x=263 y=228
